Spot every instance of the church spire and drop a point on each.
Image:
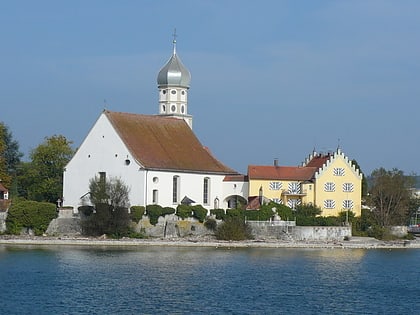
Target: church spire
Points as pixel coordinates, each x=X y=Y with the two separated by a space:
x=173 y=83
x=174 y=40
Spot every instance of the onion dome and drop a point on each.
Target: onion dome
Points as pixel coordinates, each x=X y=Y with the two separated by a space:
x=174 y=73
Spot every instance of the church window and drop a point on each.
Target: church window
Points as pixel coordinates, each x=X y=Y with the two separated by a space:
x=330 y=187
x=164 y=91
x=329 y=204
x=182 y=109
x=348 y=187
x=175 y=189
x=206 y=189
x=173 y=92
x=155 y=180
x=102 y=178
x=163 y=108
x=155 y=196
x=183 y=92
x=173 y=108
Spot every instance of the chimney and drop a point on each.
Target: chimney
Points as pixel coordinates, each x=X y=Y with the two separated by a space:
x=276 y=162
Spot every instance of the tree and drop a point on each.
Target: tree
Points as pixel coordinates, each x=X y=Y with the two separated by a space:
x=9 y=155
x=390 y=196
x=43 y=176
x=110 y=199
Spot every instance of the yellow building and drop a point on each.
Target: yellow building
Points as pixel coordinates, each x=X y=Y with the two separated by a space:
x=328 y=181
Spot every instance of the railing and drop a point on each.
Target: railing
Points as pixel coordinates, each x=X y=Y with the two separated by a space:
x=272 y=223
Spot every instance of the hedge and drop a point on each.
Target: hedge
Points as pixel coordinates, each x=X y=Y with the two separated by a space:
x=30 y=214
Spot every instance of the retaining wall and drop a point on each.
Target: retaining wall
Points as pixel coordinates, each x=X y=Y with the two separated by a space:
x=3 y=216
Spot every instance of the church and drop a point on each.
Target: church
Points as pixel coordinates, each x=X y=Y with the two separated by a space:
x=157 y=156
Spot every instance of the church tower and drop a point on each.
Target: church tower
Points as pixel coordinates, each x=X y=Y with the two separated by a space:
x=173 y=83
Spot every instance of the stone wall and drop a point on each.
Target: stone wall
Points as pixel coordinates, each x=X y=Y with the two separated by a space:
x=171 y=226
x=3 y=216
x=321 y=233
x=64 y=227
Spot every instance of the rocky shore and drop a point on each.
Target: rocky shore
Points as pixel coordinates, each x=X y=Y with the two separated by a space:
x=354 y=242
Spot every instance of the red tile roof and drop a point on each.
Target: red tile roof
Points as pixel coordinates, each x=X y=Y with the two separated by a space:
x=165 y=143
x=318 y=161
x=281 y=172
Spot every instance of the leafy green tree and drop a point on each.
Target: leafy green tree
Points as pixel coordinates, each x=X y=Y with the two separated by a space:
x=110 y=198
x=43 y=176
x=390 y=196
x=9 y=156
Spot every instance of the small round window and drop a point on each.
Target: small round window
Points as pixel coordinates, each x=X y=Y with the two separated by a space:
x=182 y=109
x=164 y=92
x=173 y=91
x=183 y=92
x=155 y=180
x=163 y=108
x=173 y=108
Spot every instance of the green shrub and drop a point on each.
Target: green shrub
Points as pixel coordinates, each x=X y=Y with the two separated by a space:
x=219 y=213
x=167 y=210
x=30 y=214
x=234 y=213
x=233 y=229
x=199 y=212
x=184 y=211
x=210 y=224
x=86 y=210
x=154 y=212
x=107 y=219
x=136 y=213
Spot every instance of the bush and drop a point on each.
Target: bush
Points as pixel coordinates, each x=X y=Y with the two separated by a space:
x=136 y=213
x=219 y=213
x=108 y=220
x=30 y=214
x=154 y=212
x=199 y=212
x=86 y=210
x=184 y=211
x=233 y=229
x=230 y=213
x=210 y=224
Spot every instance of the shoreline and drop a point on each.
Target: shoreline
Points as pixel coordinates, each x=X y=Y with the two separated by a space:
x=353 y=243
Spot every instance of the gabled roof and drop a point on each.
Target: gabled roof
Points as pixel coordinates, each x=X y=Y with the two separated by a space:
x=318 y=160
x=164 y=143
x=281 y=172
x=2 y=188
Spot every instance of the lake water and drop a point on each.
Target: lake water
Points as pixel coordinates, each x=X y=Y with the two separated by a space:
x=173 y=280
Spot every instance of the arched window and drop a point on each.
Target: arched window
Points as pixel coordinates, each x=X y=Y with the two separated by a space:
x=175 y=189
x=206 y=190
x=155 y=196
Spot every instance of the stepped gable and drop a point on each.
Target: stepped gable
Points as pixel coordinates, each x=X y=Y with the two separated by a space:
x=281 y=172
x=164 y=143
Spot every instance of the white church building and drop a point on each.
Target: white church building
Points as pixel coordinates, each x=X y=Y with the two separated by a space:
x=157 y=156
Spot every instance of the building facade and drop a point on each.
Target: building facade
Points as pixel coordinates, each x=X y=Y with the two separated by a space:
x=328 y=181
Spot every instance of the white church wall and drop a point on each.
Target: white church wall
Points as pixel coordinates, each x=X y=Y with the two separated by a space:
x=191 y=185
x=101 y=151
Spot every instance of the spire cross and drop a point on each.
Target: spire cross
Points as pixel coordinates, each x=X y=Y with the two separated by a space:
x=174 y=40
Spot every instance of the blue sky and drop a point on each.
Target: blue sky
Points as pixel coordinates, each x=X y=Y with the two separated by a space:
x=270 y=79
